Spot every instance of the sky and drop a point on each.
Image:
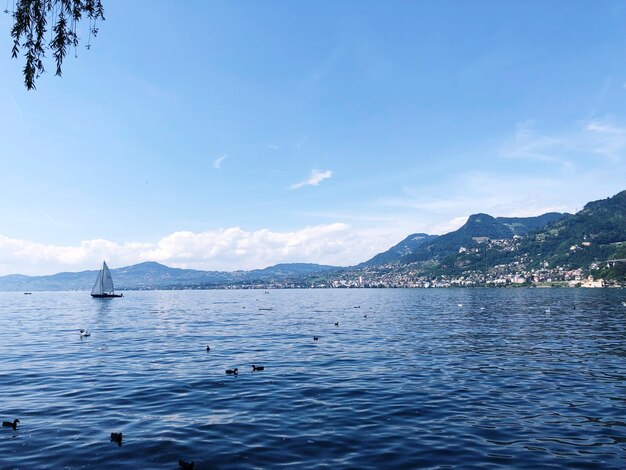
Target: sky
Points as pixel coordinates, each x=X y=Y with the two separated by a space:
x=236 y=135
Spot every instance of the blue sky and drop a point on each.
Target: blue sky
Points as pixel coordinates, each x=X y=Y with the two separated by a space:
x=236 y=135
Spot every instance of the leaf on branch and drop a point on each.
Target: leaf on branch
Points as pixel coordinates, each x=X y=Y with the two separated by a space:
x=30 y=24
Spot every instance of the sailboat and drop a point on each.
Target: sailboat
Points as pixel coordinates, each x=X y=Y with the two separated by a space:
x=104 y=284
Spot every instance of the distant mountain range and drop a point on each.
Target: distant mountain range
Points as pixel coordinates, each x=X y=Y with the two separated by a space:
x=583 y=240
x=151 y=275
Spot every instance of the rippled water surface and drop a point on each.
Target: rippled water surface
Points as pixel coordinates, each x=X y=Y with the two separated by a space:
x=527 y=378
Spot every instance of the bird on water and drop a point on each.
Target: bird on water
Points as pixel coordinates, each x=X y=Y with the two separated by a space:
x=315 y=338
x=9 y=424
x=257 y=367
x=336 y=323
x=234 y=371
x=208 y=348
x=117 y=437
x=84 y=332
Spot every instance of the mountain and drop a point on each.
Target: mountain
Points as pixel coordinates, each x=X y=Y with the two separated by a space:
x=523 y=225
x=406 y=246
x=484 y=246
x=585 y=240
x=286 y=270
x=594 y=234
x=152 y=275
x=478 y=228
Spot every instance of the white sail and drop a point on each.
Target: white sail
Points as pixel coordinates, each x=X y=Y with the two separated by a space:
x=107 y=280
x=104 y=282
x=97 y=287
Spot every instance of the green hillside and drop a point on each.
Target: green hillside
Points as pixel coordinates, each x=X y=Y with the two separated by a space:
x=477 y=228
x=585 y=240
x=594 y=234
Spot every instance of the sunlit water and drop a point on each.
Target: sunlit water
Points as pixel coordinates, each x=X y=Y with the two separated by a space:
x=527 y=378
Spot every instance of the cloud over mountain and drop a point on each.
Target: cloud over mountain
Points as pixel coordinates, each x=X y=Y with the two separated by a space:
x=224 y=249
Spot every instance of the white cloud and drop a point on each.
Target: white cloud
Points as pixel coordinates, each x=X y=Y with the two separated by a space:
x=226 y=249
x=217 y=163
x=600 y=138
x=449 y=226
x=438 y=210
x=604 y=128
x=27 y=257
x=316 y=178
x=529 y=144
x=606 y=139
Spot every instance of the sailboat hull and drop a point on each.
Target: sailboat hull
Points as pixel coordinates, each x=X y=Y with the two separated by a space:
x=106 y=296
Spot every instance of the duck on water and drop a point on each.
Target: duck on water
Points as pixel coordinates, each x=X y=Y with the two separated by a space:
x=9 y=424
x=117 y=437
x=186 y=465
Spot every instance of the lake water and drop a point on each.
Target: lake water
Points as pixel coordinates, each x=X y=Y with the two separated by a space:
x=409 y=379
